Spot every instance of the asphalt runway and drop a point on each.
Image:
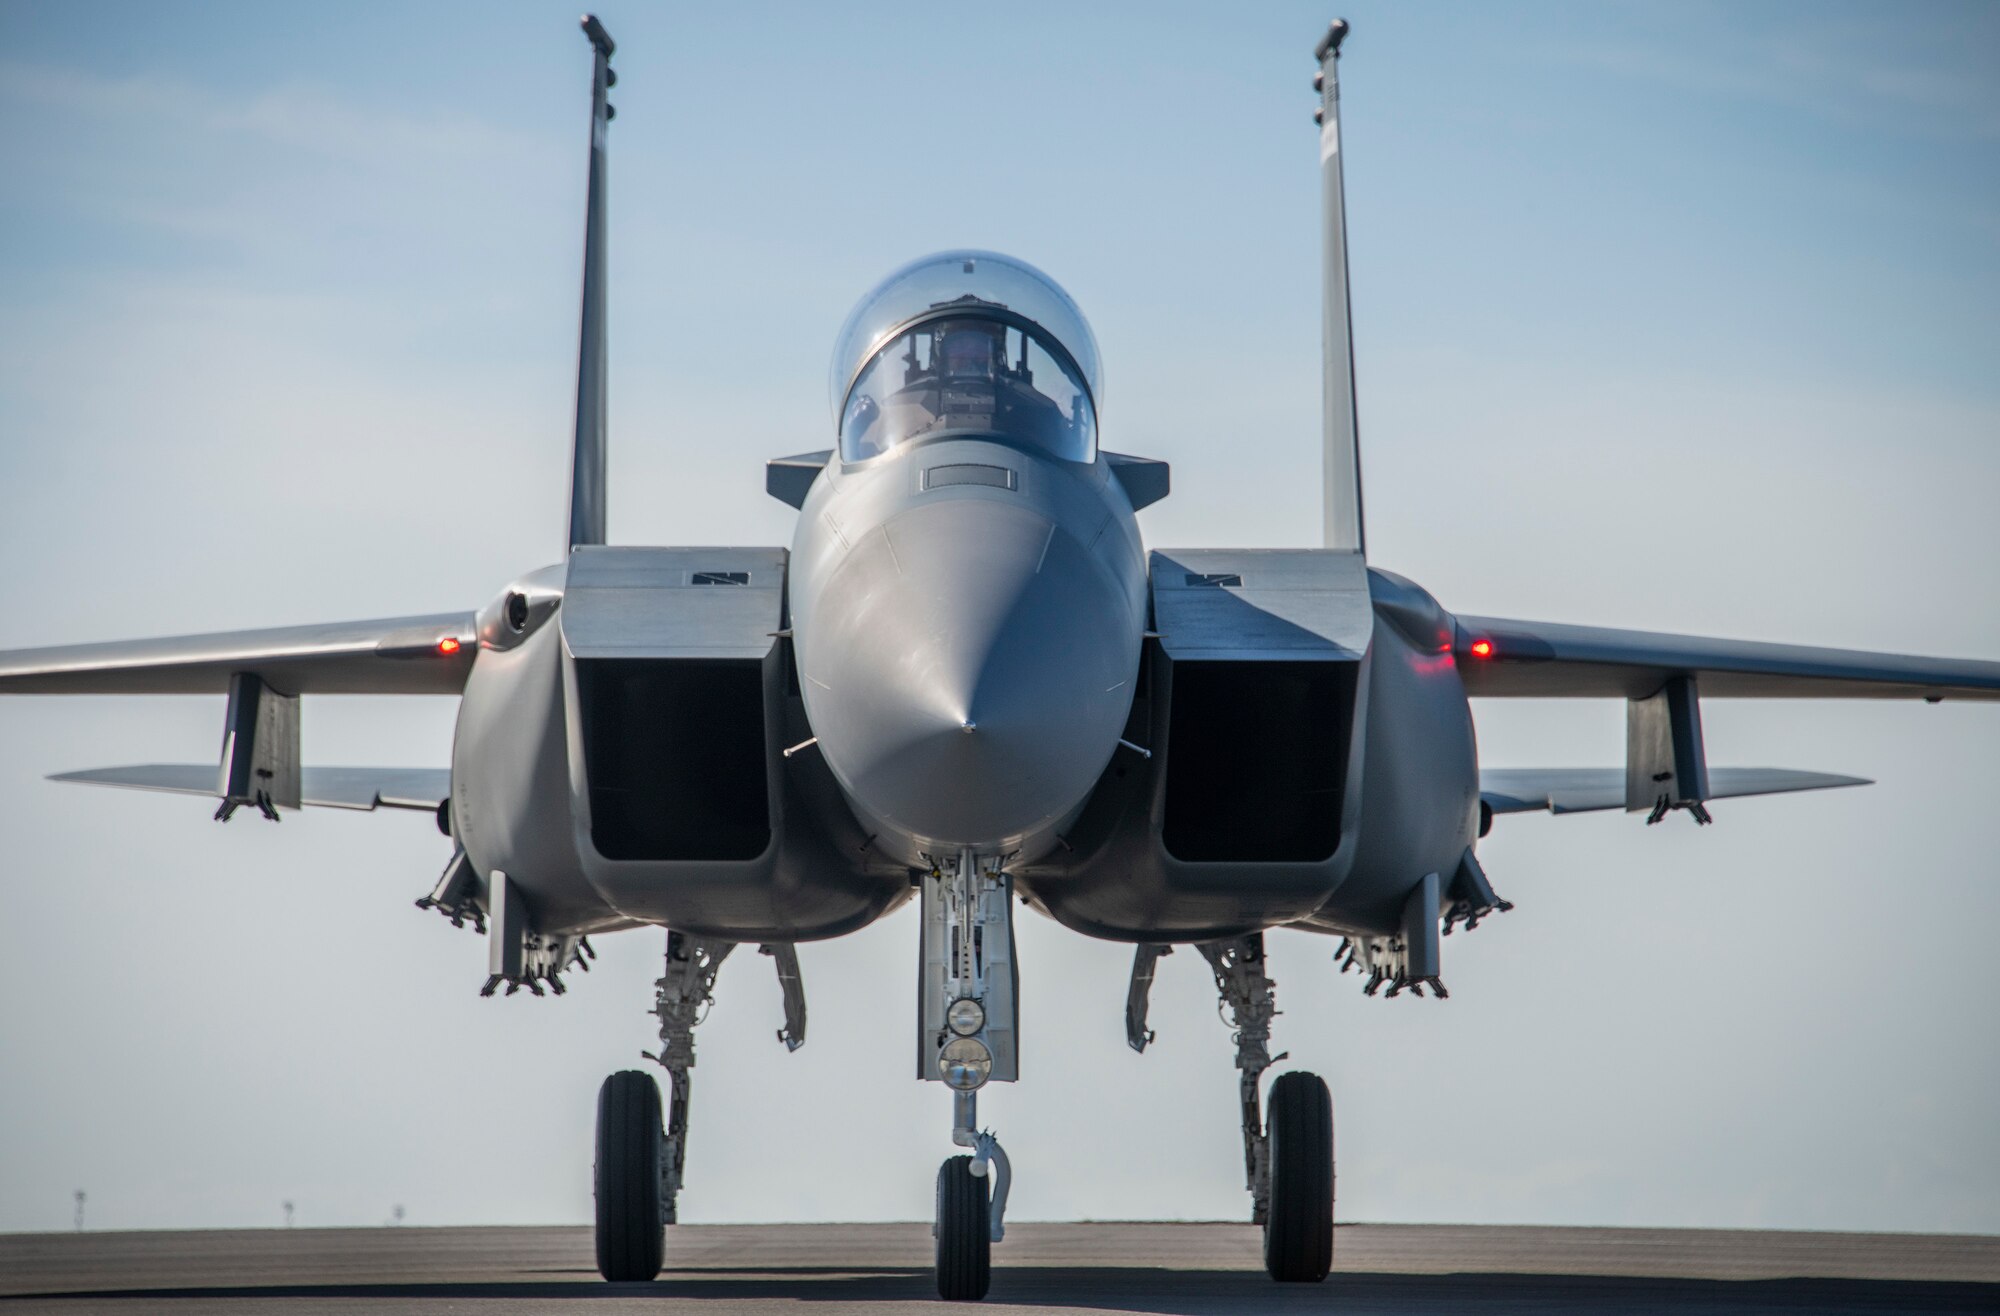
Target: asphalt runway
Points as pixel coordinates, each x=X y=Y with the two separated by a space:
x=1179 y=1269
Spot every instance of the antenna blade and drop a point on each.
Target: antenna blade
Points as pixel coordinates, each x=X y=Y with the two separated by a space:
x=1341 y=446
x=587 y=476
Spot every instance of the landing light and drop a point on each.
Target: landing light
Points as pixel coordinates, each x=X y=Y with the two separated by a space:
x=965 y=1017
x=1482 y=648
x=447 y=646
x=965 y=1064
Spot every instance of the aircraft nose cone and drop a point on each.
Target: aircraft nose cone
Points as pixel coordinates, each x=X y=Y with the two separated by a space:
x=969 y=671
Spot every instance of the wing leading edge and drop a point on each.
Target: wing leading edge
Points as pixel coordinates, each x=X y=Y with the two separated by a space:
x=1532 y=659
x=399 y=655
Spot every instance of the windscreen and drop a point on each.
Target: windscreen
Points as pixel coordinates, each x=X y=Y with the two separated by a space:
x=968 y=374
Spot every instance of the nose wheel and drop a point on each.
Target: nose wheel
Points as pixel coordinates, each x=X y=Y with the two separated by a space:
x=964 y=1232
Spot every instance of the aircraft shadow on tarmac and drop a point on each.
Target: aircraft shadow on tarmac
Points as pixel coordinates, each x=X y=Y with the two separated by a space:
x=1168 y=1292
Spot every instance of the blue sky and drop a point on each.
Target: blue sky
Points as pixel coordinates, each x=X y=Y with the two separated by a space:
x=1682 y=317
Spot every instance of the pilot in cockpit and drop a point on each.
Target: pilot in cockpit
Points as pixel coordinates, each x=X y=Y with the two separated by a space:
x=968 y=349
x=966 y=374
x=956 y=375
x=966 y=344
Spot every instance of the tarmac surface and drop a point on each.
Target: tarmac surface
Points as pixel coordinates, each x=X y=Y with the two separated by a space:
x=1180 y=1269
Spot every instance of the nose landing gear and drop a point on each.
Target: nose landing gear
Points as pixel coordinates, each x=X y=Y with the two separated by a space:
x=966 y=1037
x=969 y=1221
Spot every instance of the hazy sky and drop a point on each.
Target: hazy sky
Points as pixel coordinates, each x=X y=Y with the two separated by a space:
x=1680 y=316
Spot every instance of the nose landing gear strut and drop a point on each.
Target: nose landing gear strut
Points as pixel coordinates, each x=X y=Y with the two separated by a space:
x=966 y=1037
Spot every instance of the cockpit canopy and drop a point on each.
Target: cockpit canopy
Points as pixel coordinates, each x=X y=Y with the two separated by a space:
x=966 y=342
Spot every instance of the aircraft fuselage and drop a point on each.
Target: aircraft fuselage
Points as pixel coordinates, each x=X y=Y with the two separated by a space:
x=968 y=618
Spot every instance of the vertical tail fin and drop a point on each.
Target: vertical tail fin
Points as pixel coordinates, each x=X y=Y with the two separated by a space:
x=1341 y=452
x=586 y=475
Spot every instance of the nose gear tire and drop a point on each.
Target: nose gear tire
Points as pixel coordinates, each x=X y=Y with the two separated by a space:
x=631 y=1226
x=1298 y=1236
x=964 y=1233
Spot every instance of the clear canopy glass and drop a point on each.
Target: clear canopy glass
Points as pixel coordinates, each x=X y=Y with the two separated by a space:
x=966 y=341
x=968 y=374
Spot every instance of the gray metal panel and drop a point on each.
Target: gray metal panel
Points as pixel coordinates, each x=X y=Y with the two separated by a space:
x=1145 y=480
x=334 y=788
x=1535 y=659
x=1582 y=790
x=1292 y=604
x=398 y=655
x=650 y=602
x=790 y=479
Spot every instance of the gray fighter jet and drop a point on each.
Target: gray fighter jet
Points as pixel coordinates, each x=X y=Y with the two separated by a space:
x=968 y=682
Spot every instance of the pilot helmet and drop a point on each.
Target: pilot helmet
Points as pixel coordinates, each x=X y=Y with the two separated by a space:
x=970 y=349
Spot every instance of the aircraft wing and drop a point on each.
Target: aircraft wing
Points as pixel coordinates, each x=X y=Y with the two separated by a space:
x=333 y=788
x=399 y=655
x=1534 y=659
x=1581 y=790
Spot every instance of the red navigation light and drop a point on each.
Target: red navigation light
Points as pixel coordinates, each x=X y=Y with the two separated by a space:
x=1482 y=648
x=447 y=646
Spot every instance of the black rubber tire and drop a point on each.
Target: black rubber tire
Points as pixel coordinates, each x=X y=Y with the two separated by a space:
x=964 y=1232
x=1298 y=1235
x=631 y=1225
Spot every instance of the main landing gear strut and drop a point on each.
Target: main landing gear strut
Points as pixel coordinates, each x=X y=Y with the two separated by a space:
x=1287 y=1159
x=639 y=1167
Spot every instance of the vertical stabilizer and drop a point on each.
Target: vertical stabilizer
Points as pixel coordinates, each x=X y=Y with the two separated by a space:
x=586 y=472
x=1341 y=453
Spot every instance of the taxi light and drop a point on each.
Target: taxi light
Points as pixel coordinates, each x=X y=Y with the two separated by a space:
x=1482 y=648
x=447 y=646
x=965 y=1016
x=965 y=1064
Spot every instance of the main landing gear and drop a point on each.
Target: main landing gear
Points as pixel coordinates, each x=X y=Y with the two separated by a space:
x=1287 y=1161
x=639 y=1166
x=966 y=1037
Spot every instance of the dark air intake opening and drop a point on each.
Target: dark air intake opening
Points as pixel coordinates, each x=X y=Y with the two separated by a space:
x=675 y=754
x=1256 y=760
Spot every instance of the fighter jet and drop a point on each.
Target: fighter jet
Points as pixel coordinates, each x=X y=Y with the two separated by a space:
x=969 y=683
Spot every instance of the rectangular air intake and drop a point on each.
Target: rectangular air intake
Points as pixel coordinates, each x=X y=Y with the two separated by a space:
x=1257 y=760
x=674 y=751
